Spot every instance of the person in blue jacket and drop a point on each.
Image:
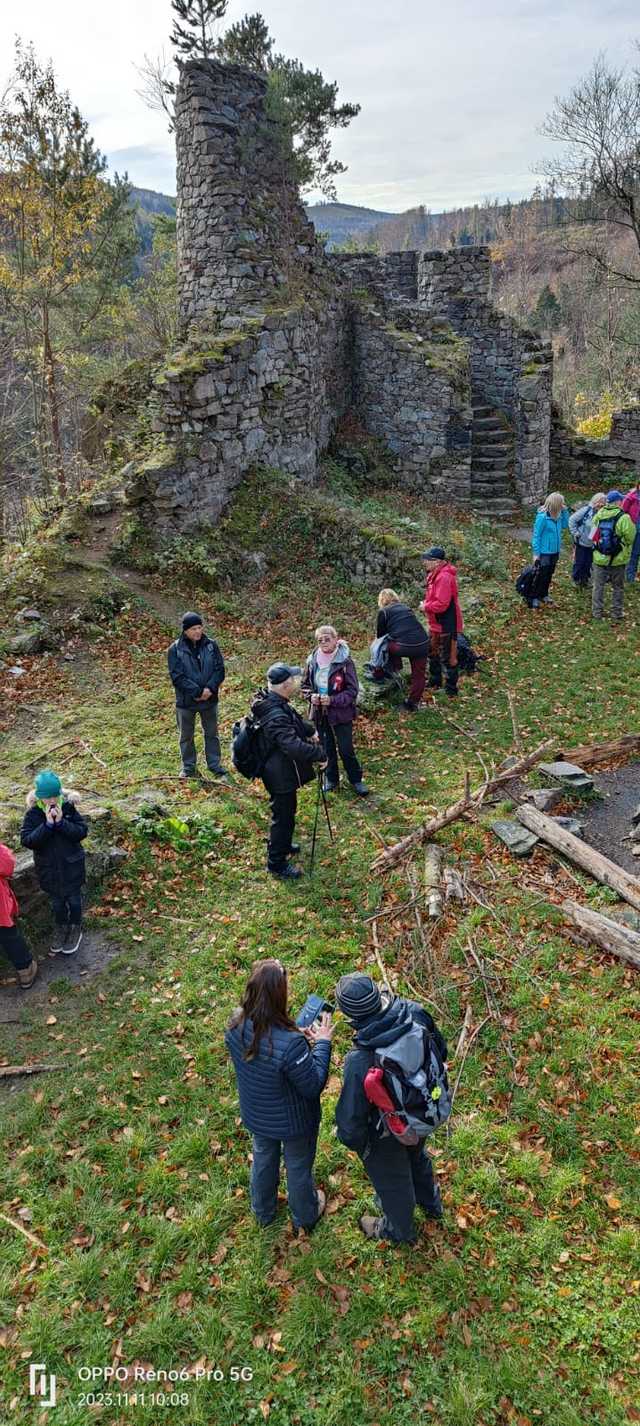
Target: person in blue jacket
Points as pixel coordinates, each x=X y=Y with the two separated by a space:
x=551 y=519
x=281 y=1073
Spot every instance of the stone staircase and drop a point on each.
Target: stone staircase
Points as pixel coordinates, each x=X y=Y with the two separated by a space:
x=493 y=451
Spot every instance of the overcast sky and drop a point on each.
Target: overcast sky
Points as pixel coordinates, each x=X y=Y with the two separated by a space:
x=452 y=93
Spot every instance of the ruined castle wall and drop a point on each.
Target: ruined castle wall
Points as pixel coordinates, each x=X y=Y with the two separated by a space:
x=413 y=393
x=264 y=371
x=511 y=368
x=392 y=278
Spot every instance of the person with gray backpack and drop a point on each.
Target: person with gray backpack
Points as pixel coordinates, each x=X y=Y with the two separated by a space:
x=395 y=1092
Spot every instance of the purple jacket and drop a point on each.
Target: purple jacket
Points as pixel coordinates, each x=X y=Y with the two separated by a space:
x=343 y=684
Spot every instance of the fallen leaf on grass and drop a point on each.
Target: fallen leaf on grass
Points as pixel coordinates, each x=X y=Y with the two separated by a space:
x=612 y=1202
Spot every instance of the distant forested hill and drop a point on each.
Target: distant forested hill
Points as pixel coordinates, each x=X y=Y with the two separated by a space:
x=344 y=220
x=147 y=205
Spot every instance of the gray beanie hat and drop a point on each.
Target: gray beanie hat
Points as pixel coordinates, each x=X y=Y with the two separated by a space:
x=358 y=996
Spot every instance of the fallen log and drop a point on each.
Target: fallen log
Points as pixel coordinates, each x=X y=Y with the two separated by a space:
x=454 y=887
x=618 y=940
x=593 y=754
x=582 y=855
x=433 y=859
x=12 y=1071
x=470 y=801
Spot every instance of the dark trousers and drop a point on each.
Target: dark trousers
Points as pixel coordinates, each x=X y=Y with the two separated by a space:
x=418 y=668
x=402 y=1178
x=16 y=950
x=443 y=649
x=546 y=571
x=186 y=721
x=283 y=821
x=299 y=1155
x=340 y=738
x=67 y=910
x=582 y=562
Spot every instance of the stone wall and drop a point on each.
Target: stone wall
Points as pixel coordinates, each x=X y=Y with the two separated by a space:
x=264 y=372
x=411 y=388
x=511 y=369
x=242 y=233
x=597 y=465
x=278 y=339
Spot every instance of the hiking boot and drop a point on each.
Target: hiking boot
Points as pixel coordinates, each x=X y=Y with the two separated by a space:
x=329 y=786
x=73 y=941
x=60 y=940
x=361 y=788
x=435 y=1210
x=373 y=1228
x=218 y=771
x=189 y=776
x=535 y=604
x=410 y=706
x=27 y=976
x=322 y=1202
x=286 y=873
x=547 y=599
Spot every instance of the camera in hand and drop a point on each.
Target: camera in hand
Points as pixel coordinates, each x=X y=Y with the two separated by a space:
x=314 y=1006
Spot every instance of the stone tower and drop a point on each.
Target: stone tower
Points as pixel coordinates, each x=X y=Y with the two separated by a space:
x=242 y=232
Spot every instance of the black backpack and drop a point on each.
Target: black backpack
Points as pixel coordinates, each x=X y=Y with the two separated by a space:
x=527 y=581
x=248 y=753
x=606 y=541
x=468 y=659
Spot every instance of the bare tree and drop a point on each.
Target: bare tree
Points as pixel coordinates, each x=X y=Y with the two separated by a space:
x=598 y=126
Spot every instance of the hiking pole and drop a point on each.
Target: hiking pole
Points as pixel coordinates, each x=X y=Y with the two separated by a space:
x=315 y=824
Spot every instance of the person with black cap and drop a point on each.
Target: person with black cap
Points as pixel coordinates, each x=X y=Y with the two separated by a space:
x=290 y=747
x=444 y=616
x=196 y=669
x=402 y=1177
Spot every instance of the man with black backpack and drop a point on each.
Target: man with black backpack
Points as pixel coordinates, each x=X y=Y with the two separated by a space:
x=394 y=1093
x=613 y=533
x=287 y=747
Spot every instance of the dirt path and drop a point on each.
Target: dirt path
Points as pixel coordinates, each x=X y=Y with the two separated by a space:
x=608 y=821
x=92 y=958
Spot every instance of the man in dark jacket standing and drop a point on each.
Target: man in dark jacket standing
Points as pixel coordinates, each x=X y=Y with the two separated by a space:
x=196 y=669
x=289 y=748
x=402 y=1177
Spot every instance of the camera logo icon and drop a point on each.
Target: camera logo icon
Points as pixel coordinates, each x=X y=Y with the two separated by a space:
x=42 y=1383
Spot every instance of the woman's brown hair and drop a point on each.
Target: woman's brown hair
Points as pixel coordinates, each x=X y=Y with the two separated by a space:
x=264 y=1003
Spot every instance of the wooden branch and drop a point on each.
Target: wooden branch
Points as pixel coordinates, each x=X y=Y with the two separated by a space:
x=464 y=1033
x=593 y=754
x=12 y=1071
x=4 y=1217
x=386 y=979
x=618 y=940
x=582 y=855
x=517 y=740
x=468 y=802
x=41 y=756
x=426 y=948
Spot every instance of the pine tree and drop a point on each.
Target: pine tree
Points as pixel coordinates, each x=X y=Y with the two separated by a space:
x=192 y=33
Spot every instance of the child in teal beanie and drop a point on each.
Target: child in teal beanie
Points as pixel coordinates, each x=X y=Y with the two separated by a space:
x=53 y=830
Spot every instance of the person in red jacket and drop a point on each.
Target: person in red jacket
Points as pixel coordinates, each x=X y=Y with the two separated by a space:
x=12 y=941
x=444 y=617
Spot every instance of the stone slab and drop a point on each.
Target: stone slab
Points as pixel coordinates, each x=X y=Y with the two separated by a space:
x=544 y=798
x=517 y=838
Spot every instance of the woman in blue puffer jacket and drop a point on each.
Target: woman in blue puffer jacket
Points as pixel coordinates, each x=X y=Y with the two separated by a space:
x=281 y=1074
x=551 y=519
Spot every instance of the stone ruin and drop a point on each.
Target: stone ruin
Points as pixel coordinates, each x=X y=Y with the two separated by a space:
x=280 y=340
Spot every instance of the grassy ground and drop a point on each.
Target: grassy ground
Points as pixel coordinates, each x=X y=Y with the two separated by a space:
x=132 y=1165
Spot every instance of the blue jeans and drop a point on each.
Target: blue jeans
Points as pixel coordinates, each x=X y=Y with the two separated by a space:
x=299 y=1155
x=632 y=567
